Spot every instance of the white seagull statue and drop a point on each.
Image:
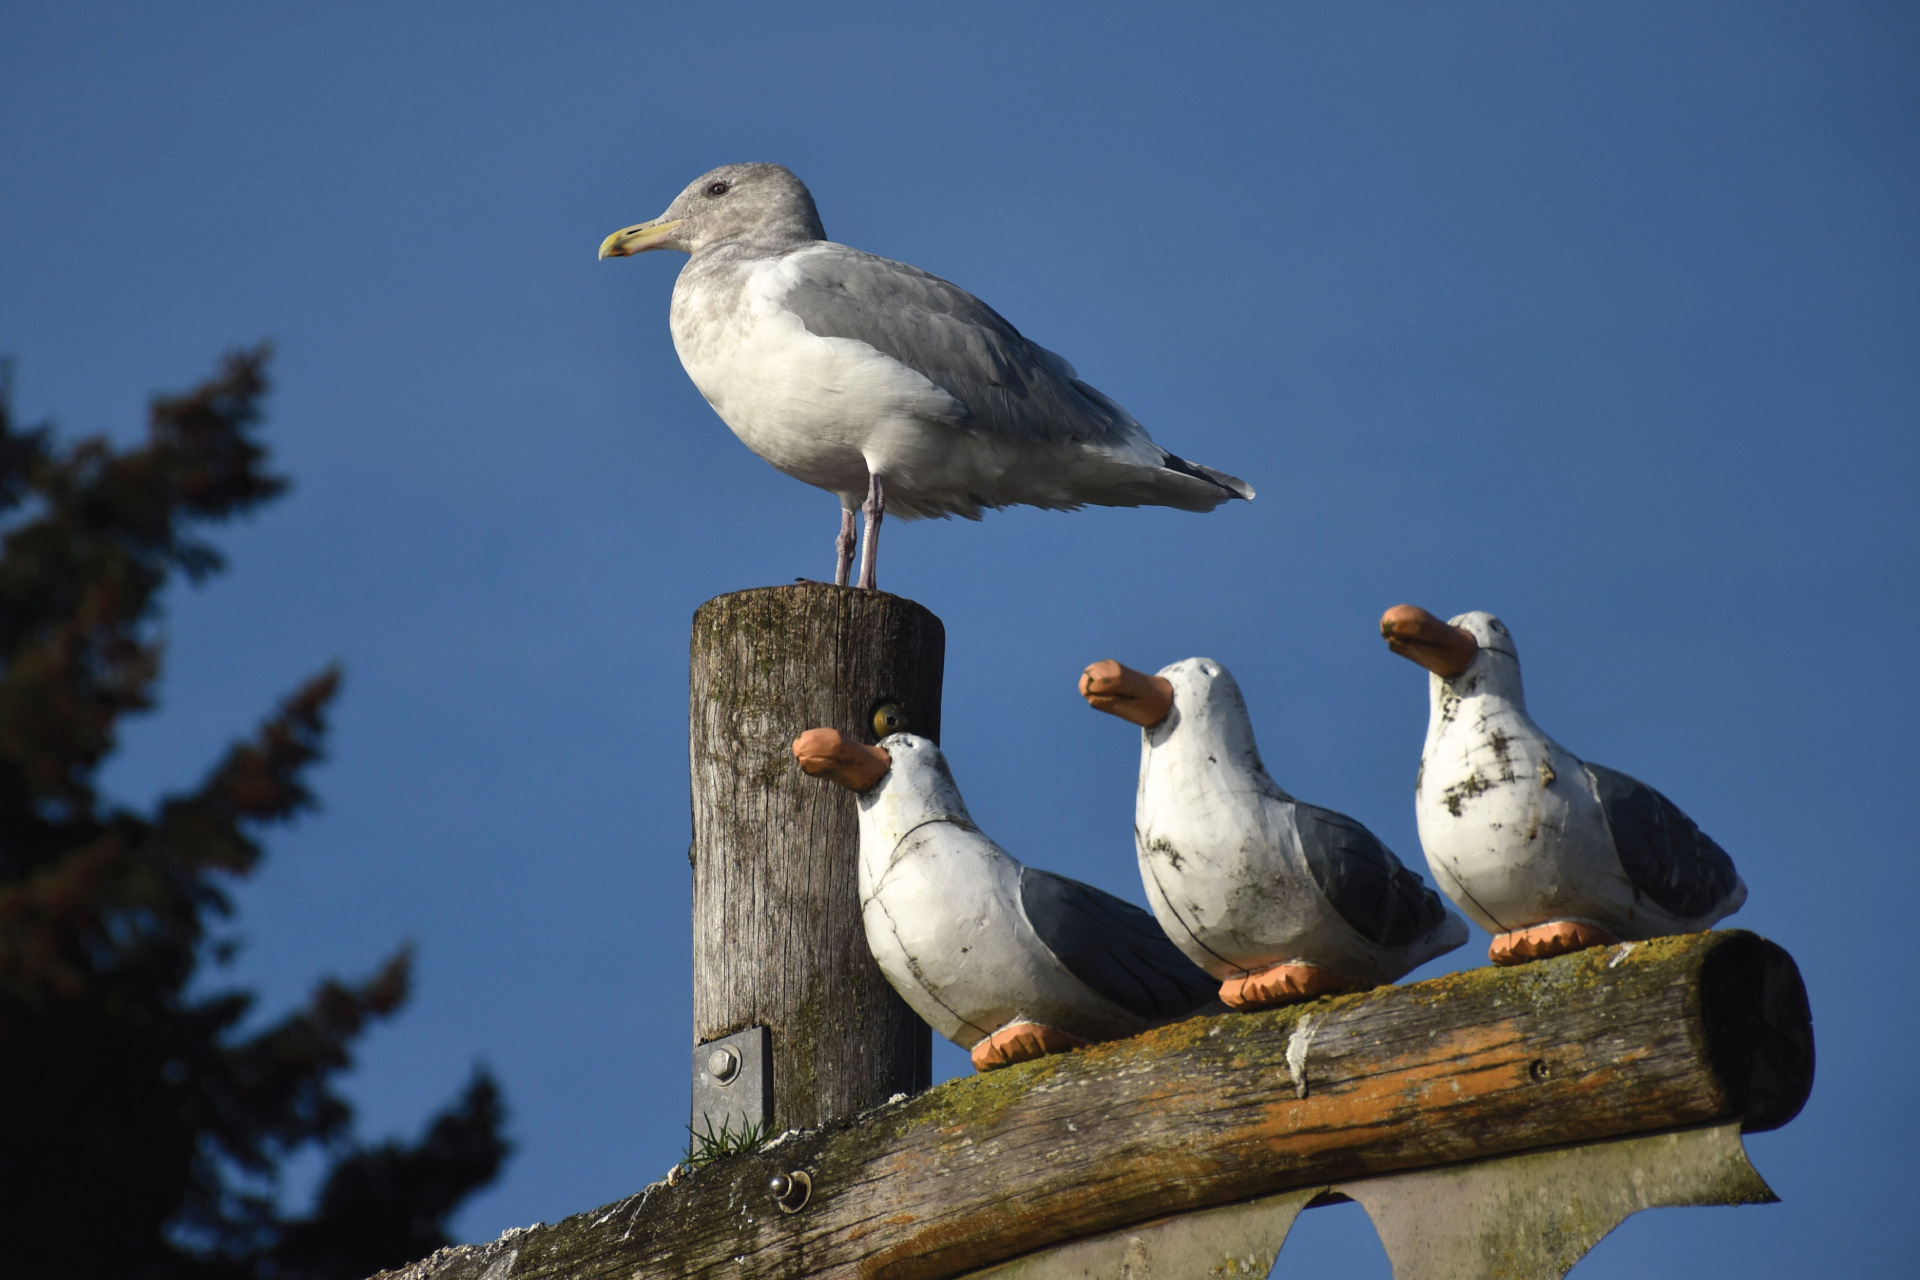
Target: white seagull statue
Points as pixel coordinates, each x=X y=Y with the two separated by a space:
x=887 y=387
x=1280 y=900
x=1546 y=852
x=1007 y=961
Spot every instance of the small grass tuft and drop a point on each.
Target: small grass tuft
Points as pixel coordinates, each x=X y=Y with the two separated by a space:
x=704 y=1148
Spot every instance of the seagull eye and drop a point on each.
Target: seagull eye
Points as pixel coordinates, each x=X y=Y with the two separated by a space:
x=717 y=188
x=889 y=719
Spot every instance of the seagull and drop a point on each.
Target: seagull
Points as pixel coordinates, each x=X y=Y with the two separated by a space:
x=886 y=386
x=1007 y=961
x=1546 y=852
x=1280 y=900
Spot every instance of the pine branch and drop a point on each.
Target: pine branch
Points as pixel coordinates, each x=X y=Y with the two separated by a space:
x=123 y=1101
x=388 y=1204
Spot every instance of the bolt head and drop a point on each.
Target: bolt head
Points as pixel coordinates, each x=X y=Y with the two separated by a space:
x=723 y=1065
x=780 y=1185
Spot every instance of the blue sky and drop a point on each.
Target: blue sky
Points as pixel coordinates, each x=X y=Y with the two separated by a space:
x=1603 y=318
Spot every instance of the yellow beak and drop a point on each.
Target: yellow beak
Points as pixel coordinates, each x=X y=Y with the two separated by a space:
x=638 y=239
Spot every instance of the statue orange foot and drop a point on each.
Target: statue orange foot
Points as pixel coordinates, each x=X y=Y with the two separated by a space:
x=1279 y=984
x=1555 y=938
x=1021 y=1042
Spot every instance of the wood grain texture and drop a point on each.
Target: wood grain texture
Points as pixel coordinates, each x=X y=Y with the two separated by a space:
x=777 y=934
x=1627 y=1039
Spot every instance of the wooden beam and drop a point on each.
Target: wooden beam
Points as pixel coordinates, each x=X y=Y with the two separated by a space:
x=777 y=935
x=1603 y=1043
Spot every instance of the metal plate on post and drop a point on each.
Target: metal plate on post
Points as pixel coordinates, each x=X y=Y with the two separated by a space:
x=733 y=1084
x=1532 y=1216
x=1233 y=1240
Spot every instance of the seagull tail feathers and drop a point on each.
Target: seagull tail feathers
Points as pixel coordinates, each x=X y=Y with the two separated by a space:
x=1234 y=485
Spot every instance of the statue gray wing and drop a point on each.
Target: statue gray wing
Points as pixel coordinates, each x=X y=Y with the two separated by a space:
x=1114 y=947
x=1385 y=903
x=1666 y=857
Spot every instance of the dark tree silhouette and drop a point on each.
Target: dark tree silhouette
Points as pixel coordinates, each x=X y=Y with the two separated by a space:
x=141 y=1132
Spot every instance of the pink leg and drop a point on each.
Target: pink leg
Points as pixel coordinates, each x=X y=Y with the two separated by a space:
x=843 y=549
x=875 y=509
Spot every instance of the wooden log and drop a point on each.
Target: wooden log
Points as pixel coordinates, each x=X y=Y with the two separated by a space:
x=1628 y=1039
x=777 y=935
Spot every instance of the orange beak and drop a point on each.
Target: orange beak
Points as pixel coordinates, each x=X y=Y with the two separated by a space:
x=1132 y=695
x=829 y=753
x=1415 y=634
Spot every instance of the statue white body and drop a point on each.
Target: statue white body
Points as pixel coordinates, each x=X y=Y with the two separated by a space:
x=1224 y=851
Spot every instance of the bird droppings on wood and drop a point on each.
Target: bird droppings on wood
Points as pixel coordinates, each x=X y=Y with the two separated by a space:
x=1297 y=1045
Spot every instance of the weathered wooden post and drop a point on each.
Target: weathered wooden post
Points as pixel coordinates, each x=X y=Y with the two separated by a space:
x=777 y=936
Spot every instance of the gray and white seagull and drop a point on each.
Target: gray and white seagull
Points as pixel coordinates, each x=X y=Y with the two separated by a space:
x=887 y=387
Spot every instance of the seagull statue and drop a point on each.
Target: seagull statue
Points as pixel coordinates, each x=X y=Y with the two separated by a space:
x=887 y=387
x=1546 y=852
x=1007 y=961
x=1280 y=900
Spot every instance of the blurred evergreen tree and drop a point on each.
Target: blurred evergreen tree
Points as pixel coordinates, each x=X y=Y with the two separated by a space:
x=141 y=1131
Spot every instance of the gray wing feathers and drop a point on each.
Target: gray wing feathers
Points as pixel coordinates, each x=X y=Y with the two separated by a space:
x=1385 y=903
x=1006 y=385
x=1114 y=947
x=1665 y=856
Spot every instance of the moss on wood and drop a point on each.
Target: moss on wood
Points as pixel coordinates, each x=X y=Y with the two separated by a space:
x=1617 y=1040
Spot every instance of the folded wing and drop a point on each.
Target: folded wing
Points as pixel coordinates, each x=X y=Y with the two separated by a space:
x=1666 y=857
x=1114 y=947
x=1385 y=903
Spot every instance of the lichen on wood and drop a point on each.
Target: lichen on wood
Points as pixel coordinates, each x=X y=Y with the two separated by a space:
x=777 y=935
x=1635 y=1038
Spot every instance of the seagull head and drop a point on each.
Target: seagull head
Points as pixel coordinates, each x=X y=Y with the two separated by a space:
x=1134 y=696
x=762 y=205
x=1194 y=706
x=1471 y=653
x=902 y=783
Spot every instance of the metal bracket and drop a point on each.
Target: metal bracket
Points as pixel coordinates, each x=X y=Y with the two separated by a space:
x=733 y=1083
x=1529 y=1216
x=1532 y=1216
